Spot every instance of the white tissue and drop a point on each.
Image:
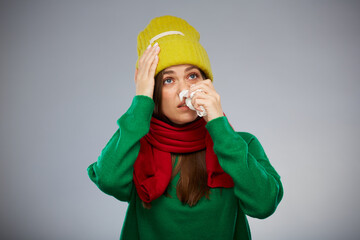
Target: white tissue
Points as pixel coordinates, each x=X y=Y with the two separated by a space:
x=188 y=103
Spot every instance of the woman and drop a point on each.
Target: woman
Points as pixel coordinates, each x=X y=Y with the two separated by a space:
x=185 y=175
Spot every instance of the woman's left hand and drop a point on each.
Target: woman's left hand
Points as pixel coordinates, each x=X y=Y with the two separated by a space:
x=208 y=98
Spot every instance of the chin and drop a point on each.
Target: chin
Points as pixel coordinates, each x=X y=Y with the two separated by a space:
x=184 y=118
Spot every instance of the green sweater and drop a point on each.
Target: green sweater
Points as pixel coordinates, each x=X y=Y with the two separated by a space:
x=257 y=191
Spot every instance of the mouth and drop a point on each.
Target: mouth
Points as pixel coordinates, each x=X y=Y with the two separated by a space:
x=182 y=104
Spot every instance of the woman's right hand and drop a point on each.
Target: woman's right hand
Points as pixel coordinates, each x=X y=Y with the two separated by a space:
x=145 y=73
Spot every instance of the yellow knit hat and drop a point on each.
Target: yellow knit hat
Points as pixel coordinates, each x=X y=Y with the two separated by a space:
x=178 y=41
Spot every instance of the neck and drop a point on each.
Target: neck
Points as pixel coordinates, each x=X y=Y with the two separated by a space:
x=167 y=120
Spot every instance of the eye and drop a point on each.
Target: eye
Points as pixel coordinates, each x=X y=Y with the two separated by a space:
x=193 y=75
x=168 y=81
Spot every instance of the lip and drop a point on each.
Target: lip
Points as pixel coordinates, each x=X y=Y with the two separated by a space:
x=184 y=108
x=182 y=103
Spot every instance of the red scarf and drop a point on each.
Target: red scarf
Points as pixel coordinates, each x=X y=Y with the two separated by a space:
x=153 y=167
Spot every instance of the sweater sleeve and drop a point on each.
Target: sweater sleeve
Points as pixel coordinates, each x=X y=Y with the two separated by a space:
x=113 y=171
x=256 y=183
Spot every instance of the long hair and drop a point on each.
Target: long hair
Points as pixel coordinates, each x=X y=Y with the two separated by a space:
x=192 y=184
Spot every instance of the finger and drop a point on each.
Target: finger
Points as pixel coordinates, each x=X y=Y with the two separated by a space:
x=151 y=54
x=203 y=88
x=200 y=94
x=200 y=102
x=153 y=66
x=145 y=54
x=150 y=59
x=204 y=83
x=203 y=96
x=207 y=87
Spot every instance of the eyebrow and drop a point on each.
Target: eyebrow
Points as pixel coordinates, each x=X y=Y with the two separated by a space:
x=186 y=69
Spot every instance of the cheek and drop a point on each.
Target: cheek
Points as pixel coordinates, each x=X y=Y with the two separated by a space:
x=166 y=99
x=165 y=94
x=169 y=95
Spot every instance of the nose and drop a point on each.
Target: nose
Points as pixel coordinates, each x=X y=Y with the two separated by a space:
x=183 y=85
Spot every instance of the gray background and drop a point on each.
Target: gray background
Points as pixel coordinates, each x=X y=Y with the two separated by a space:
x=286 y=71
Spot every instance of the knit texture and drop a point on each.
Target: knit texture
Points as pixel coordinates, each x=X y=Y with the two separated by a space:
x=257 y=187
x=175 y=49
x=152 y=168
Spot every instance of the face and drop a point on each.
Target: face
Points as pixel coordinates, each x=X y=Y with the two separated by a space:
x=176 y=79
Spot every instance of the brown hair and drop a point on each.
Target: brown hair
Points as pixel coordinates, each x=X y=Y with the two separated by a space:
x=192 y=184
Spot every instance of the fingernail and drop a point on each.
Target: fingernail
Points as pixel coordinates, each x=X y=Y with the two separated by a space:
x=148 y=46
x=155 y=44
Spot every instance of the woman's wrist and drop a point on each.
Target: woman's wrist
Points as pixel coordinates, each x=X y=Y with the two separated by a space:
x=148 y=94
x=210 y=116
